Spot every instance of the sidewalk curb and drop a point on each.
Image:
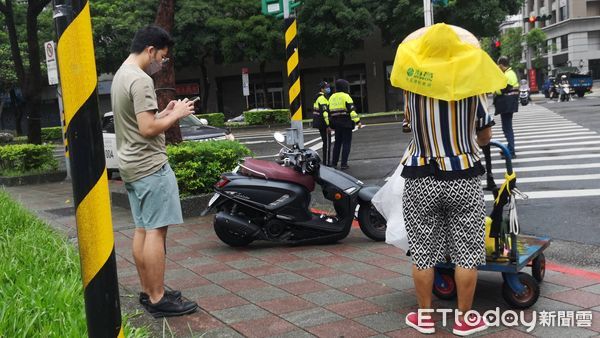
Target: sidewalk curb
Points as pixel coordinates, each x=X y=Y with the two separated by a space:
x=573 y=271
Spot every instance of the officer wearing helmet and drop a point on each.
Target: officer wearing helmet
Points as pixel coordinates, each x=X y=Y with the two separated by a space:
x=320 y=109
x=342 y=117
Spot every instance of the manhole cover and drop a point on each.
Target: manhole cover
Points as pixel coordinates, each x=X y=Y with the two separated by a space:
x=69 y=211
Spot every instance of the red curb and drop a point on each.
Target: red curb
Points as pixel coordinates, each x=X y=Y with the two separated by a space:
x=573 y=271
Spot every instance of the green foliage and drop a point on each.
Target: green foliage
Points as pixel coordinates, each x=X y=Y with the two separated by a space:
x=21 y=159
x=41 y=278
x=114 y=24
x=536 y=40
x=267 y=117
x=198 y=17
x=51 y=134
x=214 y=119
x=512 y=47
x=198 y=165
x=19 y=140
x=396 y=19
x=333 y=27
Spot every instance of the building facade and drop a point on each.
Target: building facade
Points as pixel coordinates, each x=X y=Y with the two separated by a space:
x=573 y=32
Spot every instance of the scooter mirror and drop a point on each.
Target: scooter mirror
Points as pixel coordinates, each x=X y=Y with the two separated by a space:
x=279 y=137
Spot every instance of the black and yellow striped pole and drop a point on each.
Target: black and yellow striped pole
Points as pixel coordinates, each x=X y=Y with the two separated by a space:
x=293 y=59
x=77 y=70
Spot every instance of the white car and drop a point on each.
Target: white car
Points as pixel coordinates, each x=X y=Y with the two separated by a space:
x=192 y=129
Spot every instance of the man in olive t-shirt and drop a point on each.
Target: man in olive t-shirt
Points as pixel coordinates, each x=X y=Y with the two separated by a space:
x=143 y=165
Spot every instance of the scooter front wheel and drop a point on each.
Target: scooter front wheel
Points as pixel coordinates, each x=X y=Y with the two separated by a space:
x=372 y=224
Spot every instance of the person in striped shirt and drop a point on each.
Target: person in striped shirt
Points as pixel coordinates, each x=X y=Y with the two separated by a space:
x=445 y=75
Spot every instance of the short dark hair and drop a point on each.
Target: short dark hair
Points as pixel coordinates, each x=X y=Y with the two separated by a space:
x=150 y=35
x=503 y=60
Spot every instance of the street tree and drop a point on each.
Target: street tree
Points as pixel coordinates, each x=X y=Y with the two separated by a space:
x=197 y=39
x=333 y=28
x=248 y=35
x=536 y=41
x=512 y=47
x=23 y=22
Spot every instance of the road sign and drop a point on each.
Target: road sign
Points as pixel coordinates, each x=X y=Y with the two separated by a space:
x=50 y=52
x=245 y=82
x=275 y=7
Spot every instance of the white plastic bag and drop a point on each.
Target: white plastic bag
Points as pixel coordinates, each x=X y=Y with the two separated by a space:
x=388 y=201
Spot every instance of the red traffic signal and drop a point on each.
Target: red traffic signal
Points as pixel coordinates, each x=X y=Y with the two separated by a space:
x=532 y=19
x=497 y=44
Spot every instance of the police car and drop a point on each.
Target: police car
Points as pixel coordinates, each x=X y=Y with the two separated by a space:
x=192 y=129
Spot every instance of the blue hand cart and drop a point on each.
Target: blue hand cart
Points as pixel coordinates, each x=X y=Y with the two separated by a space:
x=507 y=251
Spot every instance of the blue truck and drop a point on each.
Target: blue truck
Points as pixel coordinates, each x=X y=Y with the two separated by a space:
x=580 y=83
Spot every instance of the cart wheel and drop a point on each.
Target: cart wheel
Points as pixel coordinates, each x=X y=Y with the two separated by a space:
x=447 y=291
x=538 y=267
x=528 y=298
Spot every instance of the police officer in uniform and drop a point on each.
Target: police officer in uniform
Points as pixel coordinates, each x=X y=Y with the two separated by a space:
x=320 y=108
x=342 y=118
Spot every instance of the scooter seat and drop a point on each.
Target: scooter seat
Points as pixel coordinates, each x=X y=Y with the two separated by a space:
x=273 y=171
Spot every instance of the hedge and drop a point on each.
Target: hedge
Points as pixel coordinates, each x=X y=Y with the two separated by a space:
x=23 y=159
x=266 y=117
x=199 y=165
x=51 y=134
x=214 y=119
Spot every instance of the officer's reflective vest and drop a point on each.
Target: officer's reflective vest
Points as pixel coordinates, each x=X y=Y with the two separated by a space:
x=341 y=111
x=320 y=108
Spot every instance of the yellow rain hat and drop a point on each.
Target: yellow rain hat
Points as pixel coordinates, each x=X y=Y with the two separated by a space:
x=445 y=62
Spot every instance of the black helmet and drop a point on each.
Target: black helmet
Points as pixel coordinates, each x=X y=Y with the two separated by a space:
x=323 y=84
x=341 y=85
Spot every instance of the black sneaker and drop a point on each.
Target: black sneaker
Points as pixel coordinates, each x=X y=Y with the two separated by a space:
x=169 y=307
x=491 y=185
x=175 y=294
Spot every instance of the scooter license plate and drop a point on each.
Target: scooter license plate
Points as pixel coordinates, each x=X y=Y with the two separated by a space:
x=213 y=200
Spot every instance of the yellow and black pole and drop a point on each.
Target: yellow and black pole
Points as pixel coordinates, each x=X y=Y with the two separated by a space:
x=77 y=70
x=293 y=59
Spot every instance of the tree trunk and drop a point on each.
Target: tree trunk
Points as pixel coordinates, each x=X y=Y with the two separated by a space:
x=205 y=84
x=263 y=78
x=341 y=60
x=17 y=111
x=1 y=111
x=33 y=88
x=164 y=81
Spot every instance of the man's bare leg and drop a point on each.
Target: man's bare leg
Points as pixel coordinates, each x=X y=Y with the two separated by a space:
x=138 y=254
x=154 y=259
x=466 y=281
x=423 y=280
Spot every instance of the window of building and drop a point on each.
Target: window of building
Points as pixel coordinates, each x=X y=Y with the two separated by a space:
x=564 y=42
x=563 y=14
x=593 y=8
x=553 y=20
x=594 y=40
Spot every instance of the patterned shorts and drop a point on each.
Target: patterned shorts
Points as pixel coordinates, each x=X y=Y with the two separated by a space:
x=445 y=218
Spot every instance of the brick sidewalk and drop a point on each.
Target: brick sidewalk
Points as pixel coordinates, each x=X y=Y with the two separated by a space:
x=356 y=288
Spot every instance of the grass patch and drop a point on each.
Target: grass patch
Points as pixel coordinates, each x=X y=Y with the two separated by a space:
x=40 y=281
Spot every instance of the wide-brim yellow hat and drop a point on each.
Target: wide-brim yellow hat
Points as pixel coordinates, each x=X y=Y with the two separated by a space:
x=445 y=62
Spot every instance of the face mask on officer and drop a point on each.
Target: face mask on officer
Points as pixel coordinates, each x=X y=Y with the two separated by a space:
x=327 y=90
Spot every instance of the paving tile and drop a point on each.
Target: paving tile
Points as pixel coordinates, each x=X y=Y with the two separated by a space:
x=311 y=317
x=231 y=257
x=383 y=322
x=547 y=304
x=247 y=263
x=409 y=332
x=375 y=274
x=341 y=280
x=355 y=308
x=222 y=276
x=240 y=313
x=262 y=270
x=222 y=332
x=282 y=278
x=317 y=272
x=399 y=283
x=298 y=264
x=569 y=280
x=243 y=284
x=205 y=291
x=547 y=288
x=279 y=258
x=285 y=305
x=592 y=288
x=198 y=321
x=294 y=334
x=331 y=260
x=220 y=302
x=394 y=301
x=577 y=297
x=263 y=327
x=263 y=294
x=328 y=297
x=300 y=288
x=366 y=290
x=205 y=269
x=197 y=261
x=312 y=253
x=346 y=328
x=352 y=266
x=571 y=332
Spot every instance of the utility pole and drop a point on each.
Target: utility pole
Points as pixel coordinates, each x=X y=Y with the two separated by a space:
x=428 y=12
x=295 y=134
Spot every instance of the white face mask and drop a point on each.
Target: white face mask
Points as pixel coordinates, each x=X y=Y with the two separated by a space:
x=154 y=67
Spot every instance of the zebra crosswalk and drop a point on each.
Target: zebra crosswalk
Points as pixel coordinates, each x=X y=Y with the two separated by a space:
x=557 y=158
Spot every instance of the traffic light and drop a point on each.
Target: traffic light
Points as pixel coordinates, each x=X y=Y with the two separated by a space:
x=533 y=18
x=497 y=44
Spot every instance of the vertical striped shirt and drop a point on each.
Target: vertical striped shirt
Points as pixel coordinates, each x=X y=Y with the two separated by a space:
x=444 y=132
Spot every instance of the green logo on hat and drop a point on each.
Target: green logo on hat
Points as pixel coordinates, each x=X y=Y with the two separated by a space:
x=410 y=72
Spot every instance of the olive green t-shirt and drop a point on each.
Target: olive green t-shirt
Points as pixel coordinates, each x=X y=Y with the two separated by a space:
x=132 y=92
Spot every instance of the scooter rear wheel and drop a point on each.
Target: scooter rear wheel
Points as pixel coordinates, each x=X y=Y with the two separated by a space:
x=372 y=224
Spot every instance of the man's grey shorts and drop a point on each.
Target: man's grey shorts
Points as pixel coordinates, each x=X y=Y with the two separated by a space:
x=154 y=200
